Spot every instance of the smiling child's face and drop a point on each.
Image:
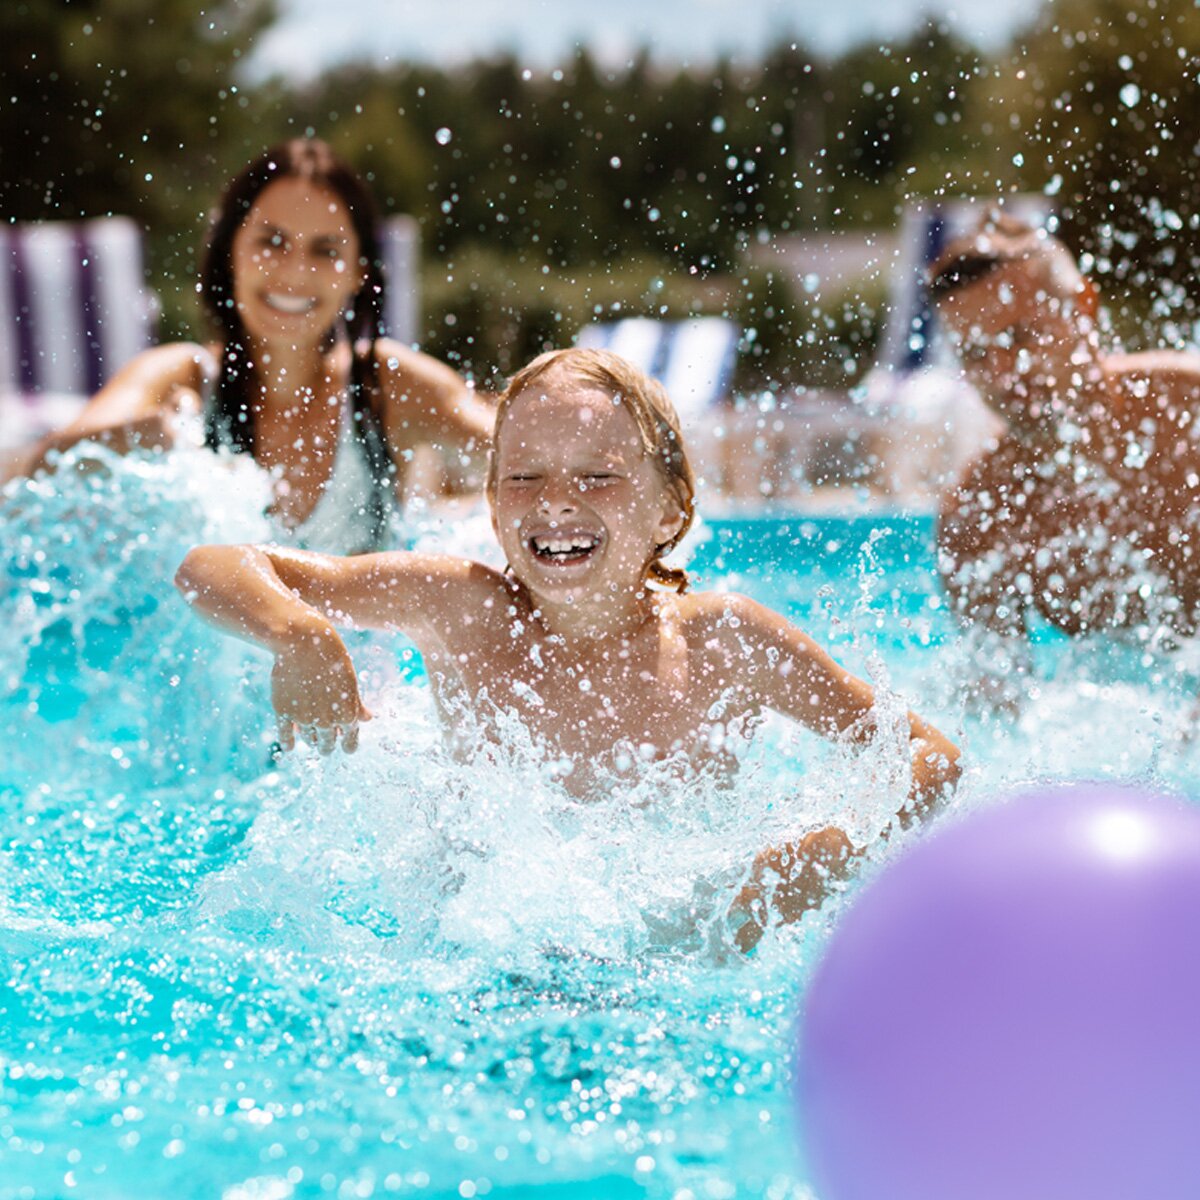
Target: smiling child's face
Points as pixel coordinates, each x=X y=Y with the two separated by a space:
x=579 y=508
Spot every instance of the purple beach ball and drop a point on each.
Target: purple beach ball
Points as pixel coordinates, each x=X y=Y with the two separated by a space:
x=1012 y=1010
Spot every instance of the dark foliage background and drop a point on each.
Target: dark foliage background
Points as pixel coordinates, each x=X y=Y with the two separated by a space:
x=549 y=197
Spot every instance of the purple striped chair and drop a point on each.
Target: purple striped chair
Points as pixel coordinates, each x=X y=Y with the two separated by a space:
x=74 y=307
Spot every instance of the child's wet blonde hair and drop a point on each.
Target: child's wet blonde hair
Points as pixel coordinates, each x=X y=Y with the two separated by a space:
x=657 y=422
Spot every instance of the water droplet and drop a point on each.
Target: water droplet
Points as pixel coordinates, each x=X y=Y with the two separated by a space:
x=1130 y=95
x=443 y=136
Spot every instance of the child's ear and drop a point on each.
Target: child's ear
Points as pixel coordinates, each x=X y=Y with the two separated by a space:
x=673 y=519
x=491 y=492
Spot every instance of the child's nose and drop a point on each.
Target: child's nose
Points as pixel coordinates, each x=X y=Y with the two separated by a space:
x=558 y=495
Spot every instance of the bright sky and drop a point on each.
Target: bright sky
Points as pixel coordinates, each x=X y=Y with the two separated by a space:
x=313 y=34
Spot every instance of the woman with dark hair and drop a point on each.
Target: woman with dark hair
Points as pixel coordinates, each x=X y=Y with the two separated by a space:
x=300 y=378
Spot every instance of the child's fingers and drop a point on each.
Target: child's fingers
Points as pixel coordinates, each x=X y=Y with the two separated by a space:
x=326 y=739
x=350 y=738
x=364 y=713
x=287 y=735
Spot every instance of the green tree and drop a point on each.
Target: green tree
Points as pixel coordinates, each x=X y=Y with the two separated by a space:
x=1098 y=104
x=124 y=106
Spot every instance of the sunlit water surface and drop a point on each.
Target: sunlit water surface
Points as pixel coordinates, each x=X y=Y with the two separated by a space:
x=398 y=974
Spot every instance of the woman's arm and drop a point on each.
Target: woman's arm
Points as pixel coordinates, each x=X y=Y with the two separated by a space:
x=427 y=403
x=135 y=409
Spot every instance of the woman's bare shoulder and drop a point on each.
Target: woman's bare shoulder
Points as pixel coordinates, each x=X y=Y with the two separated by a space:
x=401 y=365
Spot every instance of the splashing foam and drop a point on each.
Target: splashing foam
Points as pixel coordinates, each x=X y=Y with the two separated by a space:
x=98 y=652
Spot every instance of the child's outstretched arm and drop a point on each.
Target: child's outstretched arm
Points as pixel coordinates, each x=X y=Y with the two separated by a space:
x=289 y=601
x=787 y=671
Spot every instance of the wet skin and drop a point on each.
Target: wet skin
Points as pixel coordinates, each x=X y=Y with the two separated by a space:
x=595 y=665
x=295 y=266
x=1085 y=509
x=591 y=660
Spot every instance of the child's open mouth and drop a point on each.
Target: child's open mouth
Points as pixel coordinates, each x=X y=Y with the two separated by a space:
x=562 y=549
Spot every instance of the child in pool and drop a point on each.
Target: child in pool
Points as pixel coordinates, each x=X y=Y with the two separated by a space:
x=590 y=488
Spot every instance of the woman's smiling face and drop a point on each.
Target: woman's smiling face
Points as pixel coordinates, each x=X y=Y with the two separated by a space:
x=295 y=263
x=579 y=508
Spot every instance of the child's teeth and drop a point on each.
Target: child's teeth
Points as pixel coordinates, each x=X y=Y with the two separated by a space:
x=563 y=545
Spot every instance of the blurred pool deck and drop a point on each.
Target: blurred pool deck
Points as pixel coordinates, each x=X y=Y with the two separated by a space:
x=893 y=445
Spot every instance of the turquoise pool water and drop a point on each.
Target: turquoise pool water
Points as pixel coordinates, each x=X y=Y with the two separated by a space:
x=399 y=975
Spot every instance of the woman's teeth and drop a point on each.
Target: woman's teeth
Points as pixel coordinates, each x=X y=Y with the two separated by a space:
x=292 y=305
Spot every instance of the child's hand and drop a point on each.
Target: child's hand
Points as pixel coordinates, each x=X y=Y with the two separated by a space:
x=788 y=881
x=315 y=692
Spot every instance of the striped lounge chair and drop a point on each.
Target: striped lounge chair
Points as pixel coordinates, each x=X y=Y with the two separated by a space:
x=74 y=307
x=693 y=359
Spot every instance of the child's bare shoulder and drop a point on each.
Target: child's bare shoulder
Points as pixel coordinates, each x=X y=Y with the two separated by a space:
x=739 y=638
x=726 y=615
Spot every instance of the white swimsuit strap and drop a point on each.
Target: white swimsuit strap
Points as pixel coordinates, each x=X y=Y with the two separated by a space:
x=341 y=520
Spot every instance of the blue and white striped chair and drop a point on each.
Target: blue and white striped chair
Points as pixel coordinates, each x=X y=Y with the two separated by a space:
x=693 y=359
x=74 y=307
x=400 y=247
